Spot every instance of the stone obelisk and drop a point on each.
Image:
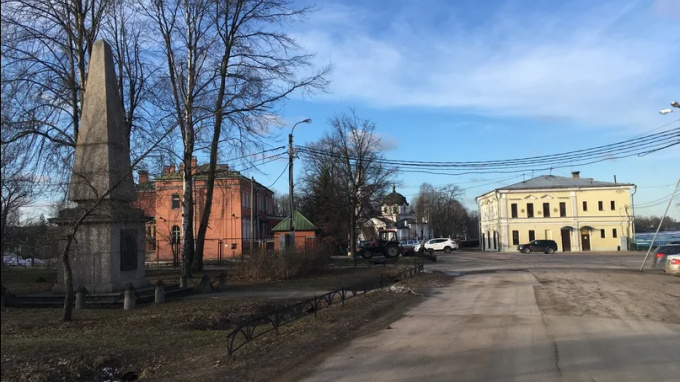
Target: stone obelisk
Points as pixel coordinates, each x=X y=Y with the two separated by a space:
x=109 y=245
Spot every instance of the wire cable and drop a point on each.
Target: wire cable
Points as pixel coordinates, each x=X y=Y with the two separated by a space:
x=280 y=175
x=632 y=147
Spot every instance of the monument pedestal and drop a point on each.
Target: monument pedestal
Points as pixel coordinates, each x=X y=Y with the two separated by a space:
x=108 y=250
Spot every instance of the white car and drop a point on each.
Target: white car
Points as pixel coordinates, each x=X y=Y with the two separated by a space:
x=673 y=265
x=440 y=244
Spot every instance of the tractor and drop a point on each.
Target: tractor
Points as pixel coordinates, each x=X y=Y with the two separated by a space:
x=386 y=245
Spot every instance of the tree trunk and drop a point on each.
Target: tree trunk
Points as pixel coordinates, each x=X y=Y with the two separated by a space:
x=352 y=231
x=67 y=312
x=187 y=216
x=197 y=263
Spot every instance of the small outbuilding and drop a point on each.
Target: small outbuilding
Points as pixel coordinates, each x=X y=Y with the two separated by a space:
x=305 y=232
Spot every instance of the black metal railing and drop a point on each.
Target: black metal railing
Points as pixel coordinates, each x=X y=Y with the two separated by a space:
x=272 y=321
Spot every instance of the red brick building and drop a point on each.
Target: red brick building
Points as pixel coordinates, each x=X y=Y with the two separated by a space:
x=229 y=228
x=305 y=232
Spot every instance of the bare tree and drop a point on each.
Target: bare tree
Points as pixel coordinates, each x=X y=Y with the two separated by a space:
x=256 y=68
x=188 y=34
x=362 y=178
x=282 y=205
x=320 y=201
x=441 y=209
x=46 y=45
x=18 y=186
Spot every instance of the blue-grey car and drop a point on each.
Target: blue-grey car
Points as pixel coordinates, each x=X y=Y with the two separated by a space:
x=662 y=252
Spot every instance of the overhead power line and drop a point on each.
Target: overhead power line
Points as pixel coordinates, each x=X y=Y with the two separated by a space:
x=279 y=177
x=631 y=147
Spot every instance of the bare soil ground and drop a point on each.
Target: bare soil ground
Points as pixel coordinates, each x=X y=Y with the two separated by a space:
x=186 y=340
x=620 y=294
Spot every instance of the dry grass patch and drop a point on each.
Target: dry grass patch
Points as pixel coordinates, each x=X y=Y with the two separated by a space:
x=183 y=340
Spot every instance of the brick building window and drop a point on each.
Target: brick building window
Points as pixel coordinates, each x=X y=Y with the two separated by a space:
x=585 y=206
x=530 y=210
x=613 y=205
x=175 y=235
x=600 y=206
x=175 y=201
x=515 y=237
x=546 y=210
x=563 y=209
x=532 y=235
x=614 y=233
x=602 y=233
x=513 y=210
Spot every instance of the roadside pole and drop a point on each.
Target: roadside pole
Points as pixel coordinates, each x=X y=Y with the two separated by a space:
x=252 y=215
x=660 y=223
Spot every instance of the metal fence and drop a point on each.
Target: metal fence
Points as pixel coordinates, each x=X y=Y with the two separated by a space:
x=644 y=244
x=273 y=320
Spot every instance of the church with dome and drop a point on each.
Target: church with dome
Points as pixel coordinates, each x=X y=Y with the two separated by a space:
x=395 y=214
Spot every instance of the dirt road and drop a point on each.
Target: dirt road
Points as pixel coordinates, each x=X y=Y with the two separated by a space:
x=522 y=326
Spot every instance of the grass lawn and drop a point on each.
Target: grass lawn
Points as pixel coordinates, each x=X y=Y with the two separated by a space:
x=186 y=339
x=23 y=280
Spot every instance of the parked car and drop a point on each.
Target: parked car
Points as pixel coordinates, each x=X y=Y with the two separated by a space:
x=16 y=260
x=673 y=265
x=408 y=243
x=445 y=244
x=407 y=247
x=546 y=246
x=662 y=252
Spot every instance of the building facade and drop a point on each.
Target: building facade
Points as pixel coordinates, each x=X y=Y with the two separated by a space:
x=305 y=233
x=229 y=228
x=396 y=213
x=579 y=214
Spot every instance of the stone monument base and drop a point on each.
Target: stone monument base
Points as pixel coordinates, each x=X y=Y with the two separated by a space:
x=108 y=250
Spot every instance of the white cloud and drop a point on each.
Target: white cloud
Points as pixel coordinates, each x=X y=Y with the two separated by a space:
x=607 y=66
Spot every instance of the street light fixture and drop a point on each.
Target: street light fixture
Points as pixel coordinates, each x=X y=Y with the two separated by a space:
x=290 y=179
x=666 y=111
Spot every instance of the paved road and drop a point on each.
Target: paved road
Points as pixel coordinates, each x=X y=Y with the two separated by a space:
x=476 y=260
x=488 y=327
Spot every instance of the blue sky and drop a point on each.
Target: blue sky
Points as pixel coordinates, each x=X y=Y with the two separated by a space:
x=485 y=80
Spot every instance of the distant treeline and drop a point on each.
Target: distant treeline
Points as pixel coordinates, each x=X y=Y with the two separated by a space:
x=650 y=224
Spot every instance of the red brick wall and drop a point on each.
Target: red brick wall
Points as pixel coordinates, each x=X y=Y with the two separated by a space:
x=225 y=225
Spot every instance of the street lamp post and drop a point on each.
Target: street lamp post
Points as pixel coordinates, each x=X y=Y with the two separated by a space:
x=674 y=104
x=290 y=179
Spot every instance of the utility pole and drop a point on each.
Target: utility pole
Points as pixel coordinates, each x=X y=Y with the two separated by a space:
x=291 y=154
x=291 y=226
x=252 y=215
x=670 y=201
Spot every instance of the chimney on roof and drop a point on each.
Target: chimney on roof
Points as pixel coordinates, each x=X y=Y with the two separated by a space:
x=171 y=169
x=194 y=163
x=143 y=177
x=576 y=174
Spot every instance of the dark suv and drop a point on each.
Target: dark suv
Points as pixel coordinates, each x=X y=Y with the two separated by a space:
x=547 y=246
